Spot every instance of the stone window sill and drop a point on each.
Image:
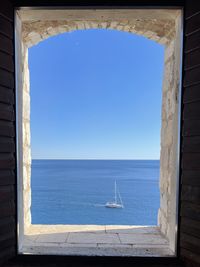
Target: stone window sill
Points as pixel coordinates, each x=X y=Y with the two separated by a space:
x=95 y=240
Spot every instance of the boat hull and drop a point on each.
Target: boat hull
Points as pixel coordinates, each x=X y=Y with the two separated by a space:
x=114 y=206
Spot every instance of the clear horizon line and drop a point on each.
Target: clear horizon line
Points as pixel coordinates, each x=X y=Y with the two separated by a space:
x=86 y=159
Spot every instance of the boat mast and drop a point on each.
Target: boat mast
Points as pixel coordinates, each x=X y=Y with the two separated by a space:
x=115 y=192
x=120 y=199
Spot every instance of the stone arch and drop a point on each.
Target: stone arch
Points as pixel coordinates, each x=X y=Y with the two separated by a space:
x=161 y=31
x=162 y=28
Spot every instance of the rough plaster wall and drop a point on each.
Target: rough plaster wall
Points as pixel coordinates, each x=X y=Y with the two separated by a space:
x=167 y=215
x=168 y=141
x=26 y=139
x=161 y=31
x=23 y=132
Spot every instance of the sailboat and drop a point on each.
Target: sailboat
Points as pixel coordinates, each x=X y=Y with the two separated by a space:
x=115 y=204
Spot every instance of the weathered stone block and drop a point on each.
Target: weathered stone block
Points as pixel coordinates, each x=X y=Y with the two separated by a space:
x=26 y=106
x=26 y=155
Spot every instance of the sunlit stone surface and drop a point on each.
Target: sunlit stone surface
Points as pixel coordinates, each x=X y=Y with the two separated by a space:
x=95 y=240
x=162 y=26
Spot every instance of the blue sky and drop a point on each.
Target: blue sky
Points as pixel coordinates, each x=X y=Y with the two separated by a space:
x=96 y=94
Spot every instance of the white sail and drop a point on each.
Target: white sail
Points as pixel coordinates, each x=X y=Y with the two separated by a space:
x=115 y=204
x=120 y=199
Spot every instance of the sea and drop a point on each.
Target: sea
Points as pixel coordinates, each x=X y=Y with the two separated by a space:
x=76 y=191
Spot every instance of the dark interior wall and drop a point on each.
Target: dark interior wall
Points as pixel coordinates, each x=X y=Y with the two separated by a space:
x=7 y=134
x=189 y=231
x=98 y=3
x=190 y=177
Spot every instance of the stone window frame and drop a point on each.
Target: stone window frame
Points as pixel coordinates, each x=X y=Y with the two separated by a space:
x=163 y=26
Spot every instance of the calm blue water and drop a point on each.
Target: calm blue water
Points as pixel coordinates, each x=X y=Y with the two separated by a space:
x=74 y=191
